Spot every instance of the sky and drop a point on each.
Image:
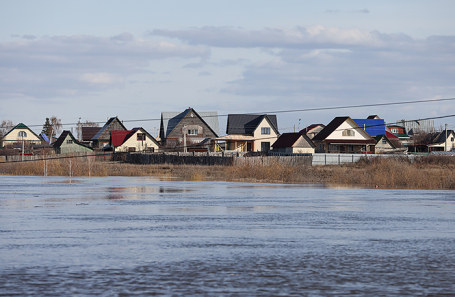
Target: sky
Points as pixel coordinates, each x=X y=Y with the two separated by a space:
x=92 y=60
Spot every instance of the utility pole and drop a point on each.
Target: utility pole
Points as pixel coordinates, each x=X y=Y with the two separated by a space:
x=184 y=139
x=79 y=130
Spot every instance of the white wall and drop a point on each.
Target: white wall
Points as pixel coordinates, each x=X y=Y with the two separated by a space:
x=272 y=137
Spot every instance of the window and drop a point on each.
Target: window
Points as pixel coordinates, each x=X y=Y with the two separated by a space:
x=384 y=141
x=131 y=149
x=22 y=134
x=69 y=141
x=265 y=146
x=394 y=130
x=348 y=132
x=140 y=136
x=265 y=130
x=192 y=132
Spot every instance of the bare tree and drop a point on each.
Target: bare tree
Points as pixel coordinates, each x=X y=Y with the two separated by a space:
x=56 y=125
x=88 y=123
x=5 y=126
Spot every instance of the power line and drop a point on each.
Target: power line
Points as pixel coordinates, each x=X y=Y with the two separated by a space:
x=285 y=111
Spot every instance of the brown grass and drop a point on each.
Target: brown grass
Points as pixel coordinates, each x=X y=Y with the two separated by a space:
x=423 y=173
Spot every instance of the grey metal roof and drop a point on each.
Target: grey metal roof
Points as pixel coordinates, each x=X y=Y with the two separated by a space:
x=105 y=127
x=247 y=123
x=171 y=119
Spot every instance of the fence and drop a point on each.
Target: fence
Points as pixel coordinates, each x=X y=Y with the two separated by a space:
x=193 y=158
x=99 y=157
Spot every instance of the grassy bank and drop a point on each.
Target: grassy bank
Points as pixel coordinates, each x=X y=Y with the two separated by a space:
x=423 y=173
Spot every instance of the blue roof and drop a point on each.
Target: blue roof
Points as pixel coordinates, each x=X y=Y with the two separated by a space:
x=374 y=127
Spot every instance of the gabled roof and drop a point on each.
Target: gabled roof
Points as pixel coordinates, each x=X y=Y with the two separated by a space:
x=289 y=139
x=169 y=120
x=310 y=127
x=21 y=126
x=332 y=126
x=372 y=117
x=248 y=123
x=62 y=138
x=379 y=137
x=438 y=137
x=335 y=123
x=106 y=127
x=118 y=137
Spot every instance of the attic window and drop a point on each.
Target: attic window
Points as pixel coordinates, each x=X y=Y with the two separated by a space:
x=140 y=136
x=69 y=141
x=192 y=132
x=22 y=134
x=394 y=130
x=384 y=141
x=348 y=132
x=265 y=130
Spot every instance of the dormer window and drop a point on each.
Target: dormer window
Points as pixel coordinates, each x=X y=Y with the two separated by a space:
x=348 y=132
x=22 y=134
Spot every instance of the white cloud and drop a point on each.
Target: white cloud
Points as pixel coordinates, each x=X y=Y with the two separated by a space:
x=80 y=64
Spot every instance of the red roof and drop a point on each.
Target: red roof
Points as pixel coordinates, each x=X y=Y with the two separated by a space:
x=120 y=136
x=390 y=135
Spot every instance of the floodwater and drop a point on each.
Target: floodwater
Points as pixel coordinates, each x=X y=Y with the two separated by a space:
x=123 y=236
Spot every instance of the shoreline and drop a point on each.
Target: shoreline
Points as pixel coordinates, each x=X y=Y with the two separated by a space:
x=430 y=173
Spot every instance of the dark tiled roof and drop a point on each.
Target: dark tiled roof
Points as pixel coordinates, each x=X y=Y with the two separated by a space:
x=438 y=137
x=310 y=127
x=62 y=138
x=247 y=123
x=89 y=132
x=169 y=120
x=332 y=126
x=289 y=139
x=106 y=127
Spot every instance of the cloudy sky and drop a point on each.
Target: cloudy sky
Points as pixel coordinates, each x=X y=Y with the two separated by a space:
x=135 y=59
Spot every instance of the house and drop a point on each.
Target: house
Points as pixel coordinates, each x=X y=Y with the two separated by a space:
x=249 y=132
x=20 y=135
x=312 y=130
x=343 y=135
x=188 y=128
x=136 y=140
x=400 y=132
x=385 y=145
x=67 y=144
x=293 y=143
x=435 y=142
x=103 y=136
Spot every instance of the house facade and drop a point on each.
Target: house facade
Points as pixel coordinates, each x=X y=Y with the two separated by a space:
x=67 y=144
x=343 y=135
x=103 y=136
x=440 y=142
x=187 y=129
x=18 y=135
x=135 y=140
x=294 y=143
x=250 y=133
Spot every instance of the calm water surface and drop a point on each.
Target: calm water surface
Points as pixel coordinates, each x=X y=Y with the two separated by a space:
x=122 y=236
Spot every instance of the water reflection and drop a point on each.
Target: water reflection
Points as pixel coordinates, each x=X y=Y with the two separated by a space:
x=140 y=192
